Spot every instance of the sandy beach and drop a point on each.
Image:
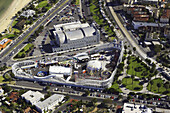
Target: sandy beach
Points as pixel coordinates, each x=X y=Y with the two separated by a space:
x=6 y=18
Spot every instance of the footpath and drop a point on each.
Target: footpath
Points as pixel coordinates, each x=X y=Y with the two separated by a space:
x=144 y=90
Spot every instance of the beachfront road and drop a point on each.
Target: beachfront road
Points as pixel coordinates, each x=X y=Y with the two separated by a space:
x=23 y=38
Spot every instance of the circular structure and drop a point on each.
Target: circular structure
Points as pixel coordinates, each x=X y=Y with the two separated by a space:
x=94 y=65
x=41 y=73
x=106 y=74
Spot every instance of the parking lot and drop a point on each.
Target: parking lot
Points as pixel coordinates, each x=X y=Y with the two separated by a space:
x=42 y=42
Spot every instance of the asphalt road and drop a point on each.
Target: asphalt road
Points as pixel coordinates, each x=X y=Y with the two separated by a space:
x=37 y=87
x=8 y=52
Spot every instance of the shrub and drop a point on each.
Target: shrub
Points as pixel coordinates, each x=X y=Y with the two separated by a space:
x=138 y=69
x=137 y=88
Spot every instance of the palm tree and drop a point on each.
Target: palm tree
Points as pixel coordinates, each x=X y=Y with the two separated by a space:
x=166 y=85
x=134 y=49
x=151 y=82
x=158 y=85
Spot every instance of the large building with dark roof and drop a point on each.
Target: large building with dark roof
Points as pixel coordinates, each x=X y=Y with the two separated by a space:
x=74 y=35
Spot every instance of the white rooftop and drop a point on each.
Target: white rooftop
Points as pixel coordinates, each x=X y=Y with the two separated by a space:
x=89 y=31
x=61 y=35
x=33 y=96
x=49 y=101
x=156 y=43
x=60 y=70
x=148 y=43
x=1 y=91
x=94 y=64
x=83 y=57
x=81 y=54
x=28 y=13
x=3 y=41
x=132 y=108
x=70 y=26
x=74 y=35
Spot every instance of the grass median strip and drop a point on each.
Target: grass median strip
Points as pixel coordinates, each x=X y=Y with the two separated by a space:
x=35 y=28
x=25 y=51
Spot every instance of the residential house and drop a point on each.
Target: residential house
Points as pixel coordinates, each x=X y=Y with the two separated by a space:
x=29 y=110
x=49 y=103
x=167 y=31
x=14 y=96
x=28 y=13
x=32 y=96
x=4 y=43
x=165 y=16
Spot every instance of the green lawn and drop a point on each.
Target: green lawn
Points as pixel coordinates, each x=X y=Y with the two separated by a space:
x=77 y=2
x=16 y=30
x=49 y=7
x=111 y=38
x=42 y=4
x=116 y=87
x=95 y=10
x=97 y=16
x=2 y=80
x=14 y=23
x=134 y=87
x=134 y=64
x=154 y=87
x=26 y=49
x=10 y=36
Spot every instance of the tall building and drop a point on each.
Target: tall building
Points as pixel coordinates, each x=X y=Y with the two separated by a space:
x=74 y=35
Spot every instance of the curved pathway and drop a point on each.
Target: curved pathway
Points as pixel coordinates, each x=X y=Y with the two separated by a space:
x=144 y=90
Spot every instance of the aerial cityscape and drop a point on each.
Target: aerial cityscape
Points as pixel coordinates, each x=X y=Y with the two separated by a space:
x=84 y=56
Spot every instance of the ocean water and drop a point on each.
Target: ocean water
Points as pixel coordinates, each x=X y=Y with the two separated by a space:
x=4 y=4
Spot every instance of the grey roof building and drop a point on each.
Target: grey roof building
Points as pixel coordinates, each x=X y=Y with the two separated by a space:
x=74 y=35
x=32 y=96
x=28 y=13
x=49 y=103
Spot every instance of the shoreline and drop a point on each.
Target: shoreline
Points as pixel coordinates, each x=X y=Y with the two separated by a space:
x=13 y=8
x=2 y=13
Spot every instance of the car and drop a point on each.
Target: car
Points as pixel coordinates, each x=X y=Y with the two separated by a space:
x=154 y=103
x=62 y=90
x=137 y=101
x=163 y=99
x=56 y=89
x=112 y=97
